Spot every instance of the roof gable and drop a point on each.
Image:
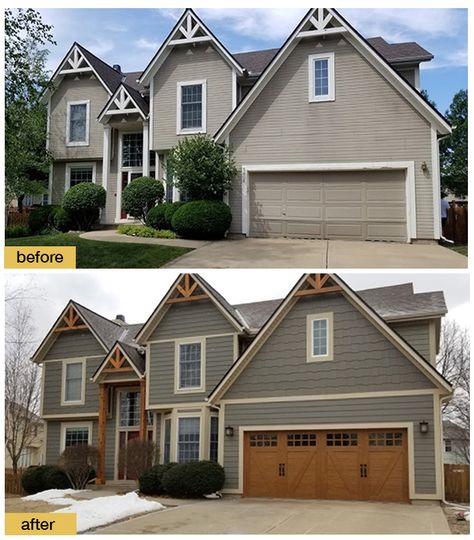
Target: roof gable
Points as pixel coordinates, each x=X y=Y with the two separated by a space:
x=121 y=359
x=319 y=22
x=189 y=30
x=125 y=100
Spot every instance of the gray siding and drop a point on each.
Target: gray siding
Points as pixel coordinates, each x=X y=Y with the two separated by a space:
x=53 y=442
x=403 y=409
x=191 y=319
x=200 y=62
x=75 y=344
x=369 y=121
x=219 y=357
x=364 y=360
x=52 y=390
x=417 y=333
x=72 y=90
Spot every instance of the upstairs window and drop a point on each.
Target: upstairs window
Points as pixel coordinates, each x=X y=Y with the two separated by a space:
x=191 y=107
x=190 y=366
x=132 y=150
x=321 y=77
x=77 y=123
x=319 y=337
x=129 y=409
x=73 y=383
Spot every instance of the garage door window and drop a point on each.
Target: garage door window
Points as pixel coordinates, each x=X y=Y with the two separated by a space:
x=263 y=439
x=301 y=439
x=385 y=439
x=341 y=439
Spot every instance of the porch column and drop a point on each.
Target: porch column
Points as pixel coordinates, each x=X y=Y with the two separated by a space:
x=143 y=423
x=106 y=156
x=101 y=434
x=146 y=149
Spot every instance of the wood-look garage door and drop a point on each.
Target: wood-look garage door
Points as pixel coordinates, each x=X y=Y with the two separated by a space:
x=351 y=465
x=356 y=205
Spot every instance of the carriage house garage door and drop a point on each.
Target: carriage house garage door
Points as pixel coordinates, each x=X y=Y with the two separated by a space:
x=355 y=205
x=351 y=465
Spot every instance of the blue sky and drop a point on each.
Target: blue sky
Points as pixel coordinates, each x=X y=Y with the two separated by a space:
x=130 y=37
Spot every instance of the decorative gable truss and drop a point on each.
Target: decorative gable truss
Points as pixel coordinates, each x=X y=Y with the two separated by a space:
x=121 y=102
x=190 y=31
x=317 y=284
x=321 y=23
x=117 y=361
x=70 y=321
x=187 y=290
x=75 y=62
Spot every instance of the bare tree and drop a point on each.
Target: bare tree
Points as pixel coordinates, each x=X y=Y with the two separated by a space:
x=22 y=388
x=453 y=363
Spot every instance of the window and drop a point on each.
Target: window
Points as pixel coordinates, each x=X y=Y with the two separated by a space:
x=301 y=439
x=319 y=337
x=129 y=409
x=264 y=439
x=213 y=438
x=385 y=439
x=77 y=123
x=167 y=441
x=448 y=447
x=25 y=460
x=188 y=439
x=73 y=385
x=190 y=367
x=191 y=107
x=77 y=173
x=132 y=150
x=73 y=434
x=321 y=77
x=341 y=439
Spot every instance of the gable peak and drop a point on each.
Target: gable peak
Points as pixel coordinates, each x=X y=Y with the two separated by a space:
x=187 y=289
x=315 y=284
x=320 y=22
x=71 y=320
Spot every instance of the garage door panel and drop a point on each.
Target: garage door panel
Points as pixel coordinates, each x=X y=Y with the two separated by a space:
x=382 y=231
x=268 y=228
x=386 y=212
x=336 y=213
x=303 y=211
x=351 y=231
x=343 y=194
x=304 y=229
x=267 y=211
x=309 y=192
x=394 y=195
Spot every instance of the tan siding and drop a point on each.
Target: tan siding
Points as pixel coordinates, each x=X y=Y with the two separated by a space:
x=59 y=177
x=369 y=121
x=71 y=90
x=200 y=62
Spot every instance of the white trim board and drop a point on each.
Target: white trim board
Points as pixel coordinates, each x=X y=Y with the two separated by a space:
x=407 y=166
x=64 y=425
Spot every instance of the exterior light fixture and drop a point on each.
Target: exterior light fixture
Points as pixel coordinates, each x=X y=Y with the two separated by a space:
x=424 y=426
x=424 y=167
x=229 y=431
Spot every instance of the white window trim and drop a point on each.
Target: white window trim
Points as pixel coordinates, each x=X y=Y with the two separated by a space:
x=82 y=361
x=194 y=389
x=329 y=318
x=191 y=131
x=68 y=125
x=65 y=425
x=331 y=95
x=188 y=415
x=78 y=164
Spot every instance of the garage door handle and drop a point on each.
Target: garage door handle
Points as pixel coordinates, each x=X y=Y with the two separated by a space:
x=363 y=470
x=281 y=469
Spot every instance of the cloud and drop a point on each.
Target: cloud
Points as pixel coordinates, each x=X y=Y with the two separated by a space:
x=454 y=59
x=116 y=27
x=144 y=43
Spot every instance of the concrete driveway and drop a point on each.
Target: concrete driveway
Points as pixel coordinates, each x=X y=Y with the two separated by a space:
x=256 y=516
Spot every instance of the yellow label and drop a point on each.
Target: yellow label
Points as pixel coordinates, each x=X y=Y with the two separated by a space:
x=36 y=523
x=40 y=257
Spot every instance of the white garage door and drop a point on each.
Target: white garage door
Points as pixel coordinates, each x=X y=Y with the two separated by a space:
x=357 y=205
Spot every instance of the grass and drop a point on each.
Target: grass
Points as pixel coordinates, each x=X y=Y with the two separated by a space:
x=94 y=254
x=459 y=249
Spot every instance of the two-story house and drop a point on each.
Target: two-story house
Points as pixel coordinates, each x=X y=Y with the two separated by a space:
x=327 y=393
x=331 y=136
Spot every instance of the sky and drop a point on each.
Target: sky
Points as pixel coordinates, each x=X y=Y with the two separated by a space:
x=136 y=294
x=130 y=37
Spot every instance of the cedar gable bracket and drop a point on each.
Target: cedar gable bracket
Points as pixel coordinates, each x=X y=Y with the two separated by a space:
x=318 y=284
x=71 y=321
x=117 y=360
x=187 y=290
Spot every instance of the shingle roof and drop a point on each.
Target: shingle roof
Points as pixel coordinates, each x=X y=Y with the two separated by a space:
x=131 y=80
x=255 y=61
x=111 y=77
x=400 y=52
x=134 y=355
x=139 y=99
x=256 y=314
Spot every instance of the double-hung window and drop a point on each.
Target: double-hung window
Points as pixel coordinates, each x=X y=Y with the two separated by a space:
x=74 y=434
x=319 y=329
x=73 y=383
x=77 y=129
x=188 y=439
x=190 y=367
x=191 y=107
x=167 y=441
x=132 y=150
x=78 y=173
x=322 y=86
x=214 y=438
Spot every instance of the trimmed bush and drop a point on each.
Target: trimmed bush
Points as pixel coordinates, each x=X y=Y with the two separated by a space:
x=144 y=232
x=141 y=195
x=61 y=220
x=150 y=481
x=202 y=220
x=170 y=211
x=43 y=477
x=16 y=231
x=39 y=219
x=195 y=479
x=79 y=463
x=83 y=203
x=156 y=217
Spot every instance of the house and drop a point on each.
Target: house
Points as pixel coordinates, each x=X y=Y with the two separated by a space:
x=456 y=444
x=328 y=393
x=331 y=136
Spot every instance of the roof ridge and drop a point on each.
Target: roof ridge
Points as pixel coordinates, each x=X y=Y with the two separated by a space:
x=98 y=58
x=95 y=313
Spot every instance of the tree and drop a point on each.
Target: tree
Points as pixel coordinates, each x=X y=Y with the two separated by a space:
x=141 y=195
x=26 y=158
x=453 y=149
x=453 y=363
x=79 y=463
x=22 y=388
x=202 y=169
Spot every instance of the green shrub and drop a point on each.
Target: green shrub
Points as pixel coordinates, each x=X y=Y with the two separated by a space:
x=36 y=479
x=83 y=203
x=39 y=219
x=170 y=211
x=156 y=217
x=143 y=231
x=202 y=220
x=61 y=220
x=193 y=479
x=16 y=231
x=201 y=168
x=141 y=195
x=150 y=481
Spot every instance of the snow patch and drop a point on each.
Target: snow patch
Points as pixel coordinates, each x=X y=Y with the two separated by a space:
x=52 y=496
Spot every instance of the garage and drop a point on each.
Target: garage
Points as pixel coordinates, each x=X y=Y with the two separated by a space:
x=354 y=205
x=344 y=465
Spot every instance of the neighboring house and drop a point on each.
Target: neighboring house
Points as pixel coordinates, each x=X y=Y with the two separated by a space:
x=455 y=444
x=33 y=453
x=327 y=393
x=332 y=138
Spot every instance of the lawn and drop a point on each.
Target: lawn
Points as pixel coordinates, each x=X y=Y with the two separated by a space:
x=459 y=249
x=93 y=254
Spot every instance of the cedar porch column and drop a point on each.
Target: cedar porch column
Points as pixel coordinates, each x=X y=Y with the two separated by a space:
x=101 y=435
x=143 y=426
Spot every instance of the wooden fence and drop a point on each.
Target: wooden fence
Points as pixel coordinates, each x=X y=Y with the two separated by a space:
x=15 y=218
x=456 y=226
x=13 y=484
x=456 y=483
